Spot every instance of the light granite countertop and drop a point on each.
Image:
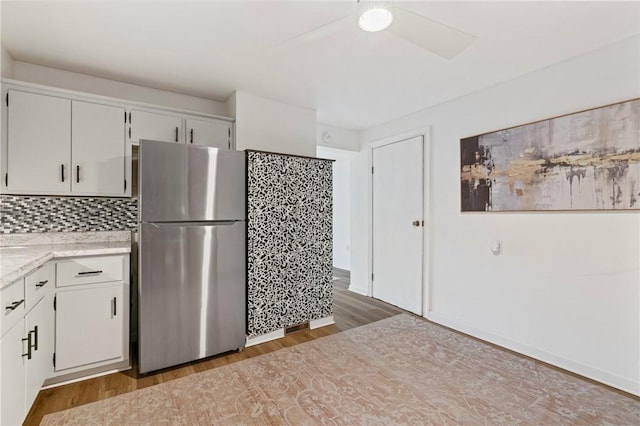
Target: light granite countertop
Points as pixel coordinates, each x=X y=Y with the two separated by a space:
x=20 y=259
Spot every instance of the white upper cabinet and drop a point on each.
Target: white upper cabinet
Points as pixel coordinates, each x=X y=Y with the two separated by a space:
x=38 y=151
x=98 y=149
x=57 y=146
x=154 y=126
x=215 y=133
x=61 y=142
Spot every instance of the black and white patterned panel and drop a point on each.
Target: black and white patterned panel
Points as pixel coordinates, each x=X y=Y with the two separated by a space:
x=289 y=219
x=26 y=214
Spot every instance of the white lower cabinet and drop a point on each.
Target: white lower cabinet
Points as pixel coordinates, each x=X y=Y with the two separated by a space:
x=13 y=375
x=91 y=313
x=89 y=324
x=39 y=324
x=26 y=349
x=67 y=319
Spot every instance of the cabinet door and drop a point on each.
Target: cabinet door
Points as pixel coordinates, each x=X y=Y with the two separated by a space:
x=39 y=324
x=209 y=133
x=12 y=375
x=39 y=284
x=98 y=149
x=39 y=143
x=154 y=126
x=89 y=326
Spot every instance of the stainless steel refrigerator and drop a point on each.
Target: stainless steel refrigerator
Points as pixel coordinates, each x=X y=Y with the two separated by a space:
x=192 y=253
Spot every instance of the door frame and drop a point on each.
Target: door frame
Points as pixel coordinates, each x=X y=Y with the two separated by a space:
x=426 y=208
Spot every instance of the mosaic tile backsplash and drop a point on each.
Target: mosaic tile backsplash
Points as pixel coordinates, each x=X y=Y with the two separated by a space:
x=26 y=214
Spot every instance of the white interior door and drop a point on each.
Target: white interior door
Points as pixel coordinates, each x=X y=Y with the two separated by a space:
x=398 y=223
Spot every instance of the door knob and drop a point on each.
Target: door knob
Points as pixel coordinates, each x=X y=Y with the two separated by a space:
x=416 y=223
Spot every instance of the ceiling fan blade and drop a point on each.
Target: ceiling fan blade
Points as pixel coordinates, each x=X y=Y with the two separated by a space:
x=325 y=30
x=438 y=38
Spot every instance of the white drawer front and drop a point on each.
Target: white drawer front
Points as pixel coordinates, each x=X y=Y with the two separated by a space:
x=37 y=283
x=12 y=304
x=89 y=270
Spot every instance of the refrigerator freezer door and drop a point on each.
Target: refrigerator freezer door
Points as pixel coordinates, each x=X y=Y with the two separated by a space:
x=190 y=183
x=192 y=289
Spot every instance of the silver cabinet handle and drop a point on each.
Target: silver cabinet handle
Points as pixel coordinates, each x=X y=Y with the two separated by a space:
x=14 y=305
x=28 y=340
x=42 y=283
x=90 y=273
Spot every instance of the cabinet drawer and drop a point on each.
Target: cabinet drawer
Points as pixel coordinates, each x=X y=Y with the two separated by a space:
x=89 y=270
x=37 y=283
x=12 y=304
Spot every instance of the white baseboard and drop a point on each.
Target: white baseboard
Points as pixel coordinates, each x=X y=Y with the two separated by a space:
x=321 y=322
x=358 y=290
x=78 y=377
x=596 y=374
x=278 y=334
x=256 y=340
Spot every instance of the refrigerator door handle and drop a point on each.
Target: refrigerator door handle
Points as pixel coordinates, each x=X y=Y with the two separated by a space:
x=193 y=223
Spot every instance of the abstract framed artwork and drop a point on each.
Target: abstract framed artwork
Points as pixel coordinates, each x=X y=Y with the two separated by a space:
x=588 y=160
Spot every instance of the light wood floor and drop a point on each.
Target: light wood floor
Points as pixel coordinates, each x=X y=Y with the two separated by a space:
x=350 y=310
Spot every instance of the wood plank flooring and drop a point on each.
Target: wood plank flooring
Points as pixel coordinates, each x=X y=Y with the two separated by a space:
x=350 y=310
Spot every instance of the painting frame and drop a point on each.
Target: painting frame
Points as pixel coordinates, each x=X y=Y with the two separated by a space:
x=581 y=161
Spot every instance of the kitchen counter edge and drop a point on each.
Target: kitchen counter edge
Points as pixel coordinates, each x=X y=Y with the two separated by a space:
x=15 y=262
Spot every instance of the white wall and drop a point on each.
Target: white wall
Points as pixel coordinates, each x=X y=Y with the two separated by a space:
x=567 y=287
x=85 y=83
x=338 y=137
x=341 y=204
x=267 y=125
x=6 y=63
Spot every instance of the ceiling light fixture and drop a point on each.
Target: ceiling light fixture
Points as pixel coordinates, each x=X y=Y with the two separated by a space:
x=375 y=19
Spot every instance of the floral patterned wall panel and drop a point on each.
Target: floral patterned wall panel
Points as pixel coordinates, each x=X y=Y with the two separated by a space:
x=289 y=241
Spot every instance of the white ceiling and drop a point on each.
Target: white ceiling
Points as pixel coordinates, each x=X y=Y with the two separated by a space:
x=353 y=79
